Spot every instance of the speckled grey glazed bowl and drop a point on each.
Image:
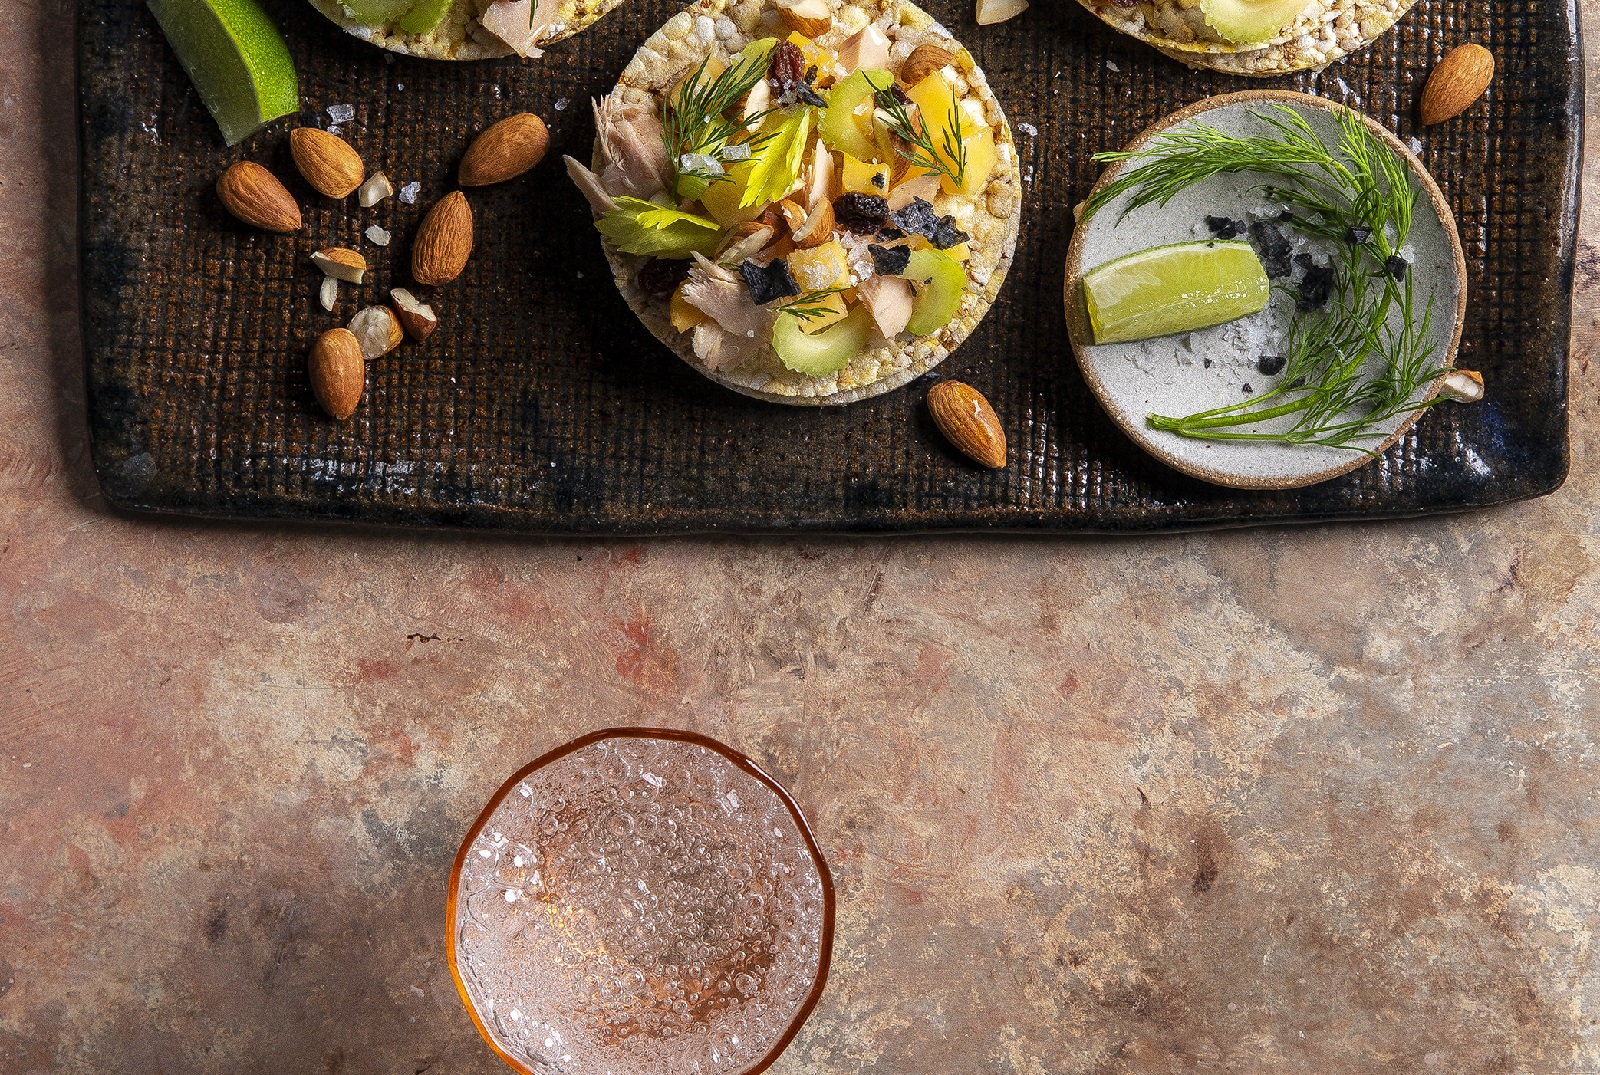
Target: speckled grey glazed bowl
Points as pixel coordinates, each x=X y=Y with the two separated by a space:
x=1177 y=375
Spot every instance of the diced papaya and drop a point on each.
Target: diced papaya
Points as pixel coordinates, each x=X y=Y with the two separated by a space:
x=684 y=316
x=864 y=177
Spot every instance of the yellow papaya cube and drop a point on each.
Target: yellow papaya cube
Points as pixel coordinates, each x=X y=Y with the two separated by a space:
x=864 y=177
x=819 y=267
x=684 y=316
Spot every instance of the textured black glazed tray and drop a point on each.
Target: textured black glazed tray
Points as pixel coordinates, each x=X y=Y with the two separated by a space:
x=541 y=405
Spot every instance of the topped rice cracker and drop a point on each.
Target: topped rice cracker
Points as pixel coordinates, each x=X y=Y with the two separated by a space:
x=476 y=29
x=1323 y=31
x=787 y=212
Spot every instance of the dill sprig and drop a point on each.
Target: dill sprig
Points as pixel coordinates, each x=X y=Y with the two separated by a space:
x=1348 y=371
x=952 y=161
x=812 y=305
x=694 y=122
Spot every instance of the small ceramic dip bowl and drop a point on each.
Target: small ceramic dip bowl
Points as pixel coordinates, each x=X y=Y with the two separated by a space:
x=1218 y=366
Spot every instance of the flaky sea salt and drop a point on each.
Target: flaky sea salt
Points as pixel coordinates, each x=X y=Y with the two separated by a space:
x=561 y=104
x=341 y=113
x=1028 y=129
x=409 y=192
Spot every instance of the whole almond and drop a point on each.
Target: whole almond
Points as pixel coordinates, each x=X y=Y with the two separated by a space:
x=1458 y=80
x=327 y=161
x=924 y=60
x=504 y=151
x=338 y=372
x=968 y=422
x=255 y=196
x=444 y=241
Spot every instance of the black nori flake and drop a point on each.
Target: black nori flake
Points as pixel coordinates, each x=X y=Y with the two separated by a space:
x=1207 y=361
x=1274 y=248
x=1396 y=266
x=1316 y=286
x=879 y=180
x=1248 y=390
x=861 y=213
x=889 y=260
x=918 y=218
x=811 y=97
x=773 y=281
x=947 y=234
x=1286 y=216
x=1271 y=365
x=1224 y=228
x=1356 y=234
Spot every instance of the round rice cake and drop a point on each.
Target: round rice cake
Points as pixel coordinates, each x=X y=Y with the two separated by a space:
x=991 y=217
x=1325 y=31
x=460 y=35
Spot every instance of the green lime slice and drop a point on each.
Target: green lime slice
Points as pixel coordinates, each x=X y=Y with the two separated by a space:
x=1176 y=288
x=236 y=59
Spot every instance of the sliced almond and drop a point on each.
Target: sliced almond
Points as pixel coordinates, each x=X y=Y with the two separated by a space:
x=993 y=11
x=866 y=48
x=375 y=190
x=444 y=241
x=817 y=227
x=417 y=317
x=1463 y=386
x=504 y=151
x=255 y=196
x=813 y=18
x=924 y=60
x=378 y=331
x=793 y=215
x=341 y=264
x=328 y=293
x=327 y=161
x=337 y=372
x=747 y=240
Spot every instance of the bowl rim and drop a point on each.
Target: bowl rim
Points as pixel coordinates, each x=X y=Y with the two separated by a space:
x=739 y=761
x=1134 y=428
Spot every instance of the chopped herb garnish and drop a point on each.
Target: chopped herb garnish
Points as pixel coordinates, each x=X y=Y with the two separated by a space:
x=695 y=125
x=949 y=159
x=1347 y=370
x=812 y=305
x=778 y=167
x=640 y=227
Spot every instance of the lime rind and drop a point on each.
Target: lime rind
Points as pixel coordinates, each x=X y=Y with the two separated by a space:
x=1175 y=288
x=236 y=58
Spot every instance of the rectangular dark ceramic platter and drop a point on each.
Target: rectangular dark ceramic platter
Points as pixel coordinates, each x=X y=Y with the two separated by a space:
x=542 y=405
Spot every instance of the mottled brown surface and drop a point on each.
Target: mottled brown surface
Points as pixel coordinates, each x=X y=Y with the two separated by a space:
x=1315 y=800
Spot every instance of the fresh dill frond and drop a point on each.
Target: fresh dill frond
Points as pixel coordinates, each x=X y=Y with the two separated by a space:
x=1348 y=371
x=950 y=159
x=812 y=305
x=694 y=123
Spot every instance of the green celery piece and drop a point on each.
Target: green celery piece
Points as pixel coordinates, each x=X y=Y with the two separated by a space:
x=651 y=230
x=236 y=59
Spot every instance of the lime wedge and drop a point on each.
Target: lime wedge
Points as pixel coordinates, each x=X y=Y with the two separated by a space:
x=1175 y=288
x=236 y=59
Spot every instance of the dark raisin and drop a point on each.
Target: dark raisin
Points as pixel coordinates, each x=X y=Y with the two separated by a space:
x=786 y=69
x=1316 y=286
x=768 y=282
x=889 y=260
x=1224 y=228
x=898 y=94
x=861 y=213
x=1274 y=248
x=1357 y=234
x=1396 y=266
x=1271 y=365
x=660 y=277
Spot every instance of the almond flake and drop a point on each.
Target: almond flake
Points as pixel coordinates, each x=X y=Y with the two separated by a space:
x=375 y=190
x=377 y=236
x=328 y=294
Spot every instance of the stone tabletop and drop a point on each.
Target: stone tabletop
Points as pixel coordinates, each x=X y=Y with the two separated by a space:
x=1317 y=800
